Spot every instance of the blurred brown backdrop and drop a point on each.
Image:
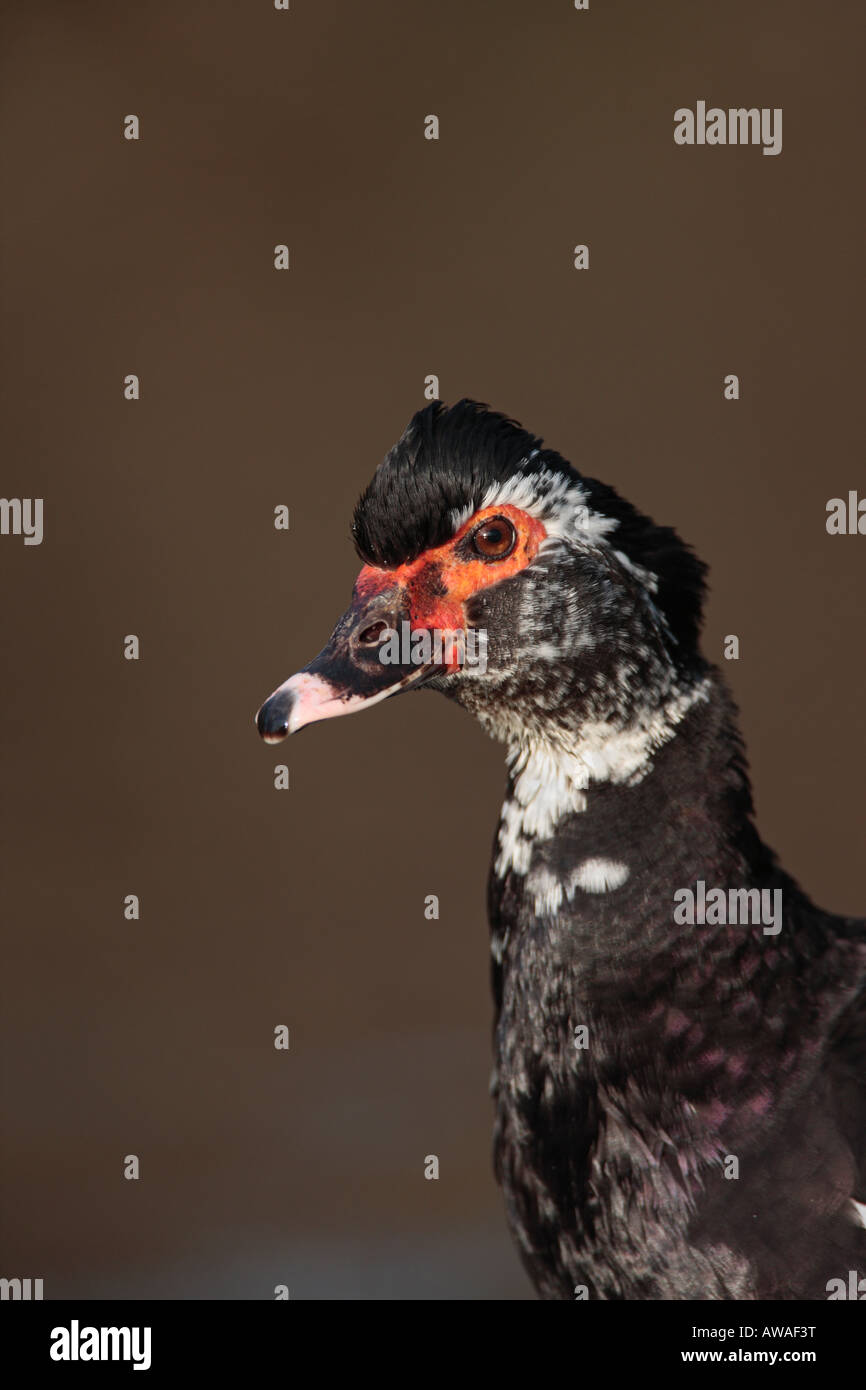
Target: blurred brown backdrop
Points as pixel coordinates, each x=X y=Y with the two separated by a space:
x=408 y=257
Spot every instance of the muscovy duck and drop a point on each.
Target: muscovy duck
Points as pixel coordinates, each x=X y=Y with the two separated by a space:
x=680 y=1035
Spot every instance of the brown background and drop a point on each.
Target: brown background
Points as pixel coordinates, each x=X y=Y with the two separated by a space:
x=408 y=257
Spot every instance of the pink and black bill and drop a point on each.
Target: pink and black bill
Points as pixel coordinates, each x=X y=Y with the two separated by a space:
x=348 y=674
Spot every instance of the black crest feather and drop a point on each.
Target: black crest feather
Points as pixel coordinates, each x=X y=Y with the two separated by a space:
x=445 y=459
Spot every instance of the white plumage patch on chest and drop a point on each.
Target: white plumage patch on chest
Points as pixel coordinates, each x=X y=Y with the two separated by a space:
x=550 y=782
x=600 y=875
x=595 y=875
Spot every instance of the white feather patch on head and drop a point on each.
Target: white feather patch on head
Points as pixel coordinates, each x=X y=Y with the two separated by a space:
x=561 y=504
x=543 y=651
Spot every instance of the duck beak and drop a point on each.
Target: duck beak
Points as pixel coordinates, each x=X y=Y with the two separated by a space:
x=352 y=672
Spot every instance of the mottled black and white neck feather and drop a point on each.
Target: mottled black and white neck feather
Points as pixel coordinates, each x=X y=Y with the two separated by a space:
x=680 y=1109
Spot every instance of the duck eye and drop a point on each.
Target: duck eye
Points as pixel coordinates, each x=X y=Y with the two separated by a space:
x=495 y=538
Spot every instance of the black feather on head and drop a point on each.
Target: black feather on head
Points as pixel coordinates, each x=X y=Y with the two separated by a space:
x=445 y=460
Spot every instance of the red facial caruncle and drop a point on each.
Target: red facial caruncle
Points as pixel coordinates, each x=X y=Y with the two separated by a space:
x=432 y=591
x=494 y=544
